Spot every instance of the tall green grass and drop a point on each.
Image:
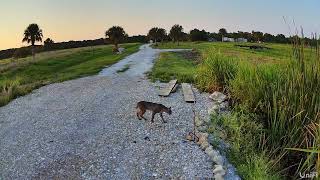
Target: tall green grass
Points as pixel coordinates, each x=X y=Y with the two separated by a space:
x=285 y=97
x=242 y=132
x=215 y=71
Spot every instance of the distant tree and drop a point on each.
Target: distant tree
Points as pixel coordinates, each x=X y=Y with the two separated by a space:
x=215 y=36
x=184 y=36
x=32 y=34
x=162 y=34
x=156 y=34
x=48 y=43
x=280 y=38
x=241 y=34
x=152 y=34
x=176 y=33
x=235 y=35
x=257 y=36
x=223 y=32
x=268 y=37
x=248 y=36
x=115 y=35
x=197 y=35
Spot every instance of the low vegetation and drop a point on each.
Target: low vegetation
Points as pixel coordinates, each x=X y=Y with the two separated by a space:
x=273 y=130
x=242 y=131
x=174 y=65
x=21 y=76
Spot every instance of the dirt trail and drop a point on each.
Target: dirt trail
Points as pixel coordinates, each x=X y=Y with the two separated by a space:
x=87 y=129
x=138 y=63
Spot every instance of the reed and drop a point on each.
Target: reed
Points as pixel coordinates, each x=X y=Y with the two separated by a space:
x=284 y=97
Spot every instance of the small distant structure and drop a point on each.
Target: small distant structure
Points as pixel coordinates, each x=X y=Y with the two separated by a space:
x=244 y=40
x=151 y=41
x=226 y=39
x=212 y=40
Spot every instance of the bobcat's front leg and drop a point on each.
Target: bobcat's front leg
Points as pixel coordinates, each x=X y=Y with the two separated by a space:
x=162 y=118
x=138 y=116
x=142 y=113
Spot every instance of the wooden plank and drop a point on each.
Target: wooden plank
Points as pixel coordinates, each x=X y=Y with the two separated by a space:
x=188 y=93
x=168 y=88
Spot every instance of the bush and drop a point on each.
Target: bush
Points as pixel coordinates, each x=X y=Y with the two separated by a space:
x=8 y=90
x=22 y=53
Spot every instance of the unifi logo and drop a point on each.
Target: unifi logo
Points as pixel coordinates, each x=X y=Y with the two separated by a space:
x=310 y=175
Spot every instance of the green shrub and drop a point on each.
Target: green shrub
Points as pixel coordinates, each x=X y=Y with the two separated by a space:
x=215 y=72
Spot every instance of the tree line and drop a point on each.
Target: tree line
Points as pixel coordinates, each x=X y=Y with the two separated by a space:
x=176 y=34
x=117 y=34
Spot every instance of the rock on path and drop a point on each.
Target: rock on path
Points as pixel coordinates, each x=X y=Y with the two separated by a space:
x=87 y=129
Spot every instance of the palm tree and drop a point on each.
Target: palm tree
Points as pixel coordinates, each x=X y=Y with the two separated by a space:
x=116 y=34
x=176 y=33
x=32 y=34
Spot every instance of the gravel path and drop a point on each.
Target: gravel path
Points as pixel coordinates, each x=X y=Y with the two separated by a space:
x=87 y=129
x=138 y=63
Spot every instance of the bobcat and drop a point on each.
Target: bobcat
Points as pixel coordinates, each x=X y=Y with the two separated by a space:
x=142 y=106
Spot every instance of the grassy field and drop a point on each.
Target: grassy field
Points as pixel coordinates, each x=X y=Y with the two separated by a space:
x=274 y=127
x=21 y=76
x=276 y=54
x=174 y=65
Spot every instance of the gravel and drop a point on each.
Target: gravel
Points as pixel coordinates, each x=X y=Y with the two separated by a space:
x=87 y=129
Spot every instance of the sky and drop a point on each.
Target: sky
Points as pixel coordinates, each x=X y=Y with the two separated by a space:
x=64 y=20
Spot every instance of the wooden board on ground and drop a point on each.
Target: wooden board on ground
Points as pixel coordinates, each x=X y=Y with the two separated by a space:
x=188 y=93
x=165 y=91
